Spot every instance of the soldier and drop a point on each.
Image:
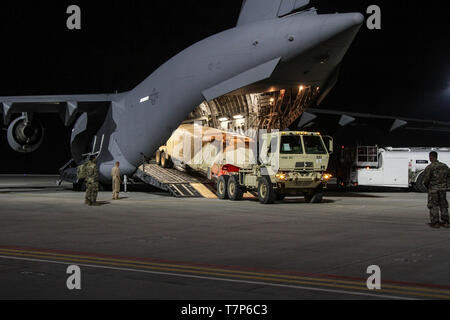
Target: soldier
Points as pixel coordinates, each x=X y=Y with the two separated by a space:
x=436 y=180
x=92 y=175
x=116 y=181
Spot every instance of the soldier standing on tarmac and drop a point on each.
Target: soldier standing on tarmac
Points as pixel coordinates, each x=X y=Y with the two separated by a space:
x=436 y=180
x=92 y=176
x=116 y=181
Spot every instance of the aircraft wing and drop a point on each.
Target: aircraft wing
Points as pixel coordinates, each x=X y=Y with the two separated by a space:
x=66 y=105
x=259 y=10
x=347 y=118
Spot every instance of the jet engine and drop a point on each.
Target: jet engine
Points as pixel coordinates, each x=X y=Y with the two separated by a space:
x=25 y=135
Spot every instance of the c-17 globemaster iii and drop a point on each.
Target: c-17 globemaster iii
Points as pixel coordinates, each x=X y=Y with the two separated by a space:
x=276 y=45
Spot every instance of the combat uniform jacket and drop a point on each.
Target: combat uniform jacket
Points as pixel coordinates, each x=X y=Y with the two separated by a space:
x=91 y=172
x=436 y=177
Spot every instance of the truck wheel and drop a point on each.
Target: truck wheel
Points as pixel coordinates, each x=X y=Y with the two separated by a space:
x=166 y=163
x=266 y=193
x=308 y=197
x=158 y=157
x=222 y=187
x=235 y=192
x=419 y=187
x=317 y=198
x=280 y=197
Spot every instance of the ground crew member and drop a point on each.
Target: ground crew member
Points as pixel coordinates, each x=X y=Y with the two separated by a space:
x=436 y=179
x=116 y=181
x=92 y=176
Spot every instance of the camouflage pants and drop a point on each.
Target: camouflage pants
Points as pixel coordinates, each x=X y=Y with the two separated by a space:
x=91 y=192
x=437 y=201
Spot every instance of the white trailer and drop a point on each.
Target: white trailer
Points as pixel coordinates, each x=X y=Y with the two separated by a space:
x=394 y=167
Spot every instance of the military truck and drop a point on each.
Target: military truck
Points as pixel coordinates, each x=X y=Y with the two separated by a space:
x=291 y=164
x=288 y=163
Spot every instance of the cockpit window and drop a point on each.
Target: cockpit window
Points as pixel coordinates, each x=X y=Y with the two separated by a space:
x=314 y=145
x=291 y=145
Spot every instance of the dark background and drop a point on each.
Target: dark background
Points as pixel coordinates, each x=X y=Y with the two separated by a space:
x=401 y=70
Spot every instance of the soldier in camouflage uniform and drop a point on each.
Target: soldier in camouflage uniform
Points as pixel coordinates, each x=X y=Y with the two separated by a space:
x=436 y=179
x=92 y=175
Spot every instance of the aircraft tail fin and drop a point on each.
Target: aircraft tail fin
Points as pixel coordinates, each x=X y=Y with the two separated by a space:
x=258 y=10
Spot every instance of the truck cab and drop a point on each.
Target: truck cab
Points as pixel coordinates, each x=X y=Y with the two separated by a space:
x=292 y=163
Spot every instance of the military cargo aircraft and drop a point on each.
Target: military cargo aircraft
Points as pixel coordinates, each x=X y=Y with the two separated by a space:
x=277 y=45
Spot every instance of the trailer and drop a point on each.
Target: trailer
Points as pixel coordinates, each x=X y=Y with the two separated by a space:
x=391 y=167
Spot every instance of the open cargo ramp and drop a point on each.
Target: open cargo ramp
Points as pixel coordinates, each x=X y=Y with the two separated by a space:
x=179 y=184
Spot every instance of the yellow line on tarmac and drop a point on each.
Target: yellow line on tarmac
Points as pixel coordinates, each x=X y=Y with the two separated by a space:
x=180 y=266
x=423 y=292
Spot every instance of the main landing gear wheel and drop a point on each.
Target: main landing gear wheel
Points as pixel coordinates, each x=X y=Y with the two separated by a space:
x=266 y=194
x=235 y=192
x=222 y=187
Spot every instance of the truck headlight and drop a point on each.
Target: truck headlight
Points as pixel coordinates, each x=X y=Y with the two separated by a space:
x=281 y=176
x=327 y=176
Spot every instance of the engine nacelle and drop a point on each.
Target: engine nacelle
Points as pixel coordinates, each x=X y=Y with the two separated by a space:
x=25 y=136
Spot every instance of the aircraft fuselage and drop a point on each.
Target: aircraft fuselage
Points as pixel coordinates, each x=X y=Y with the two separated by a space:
x=303 y=48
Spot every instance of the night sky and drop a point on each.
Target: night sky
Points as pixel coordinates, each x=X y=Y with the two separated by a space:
x=402 y=70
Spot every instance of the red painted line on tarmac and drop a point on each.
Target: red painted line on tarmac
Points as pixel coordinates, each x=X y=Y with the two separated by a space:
x=225 y=267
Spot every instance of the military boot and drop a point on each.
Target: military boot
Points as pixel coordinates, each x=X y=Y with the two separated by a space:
x=434 y=225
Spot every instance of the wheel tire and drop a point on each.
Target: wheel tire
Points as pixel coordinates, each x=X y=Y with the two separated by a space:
x=280 y=197
x=166 y=163
x=222 y=187
x=419 y=187
x=266 y=194
x=158 y=157
x=317 y=198
x=308 y=197
x=235 y=192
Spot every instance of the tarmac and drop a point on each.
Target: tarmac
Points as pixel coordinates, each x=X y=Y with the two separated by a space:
x=151 y=246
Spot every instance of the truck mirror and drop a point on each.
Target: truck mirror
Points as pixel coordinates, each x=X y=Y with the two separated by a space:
x=330 y=143
x=331 y=146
